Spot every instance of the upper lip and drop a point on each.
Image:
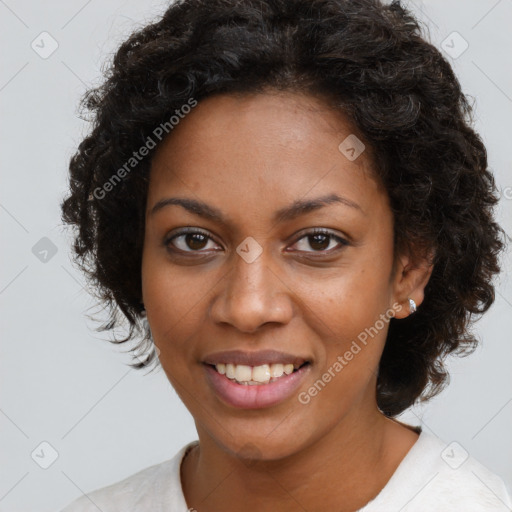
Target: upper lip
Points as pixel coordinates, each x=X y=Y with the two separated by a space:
x=254 y=358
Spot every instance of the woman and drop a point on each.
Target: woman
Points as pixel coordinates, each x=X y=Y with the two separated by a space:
x=287 y=198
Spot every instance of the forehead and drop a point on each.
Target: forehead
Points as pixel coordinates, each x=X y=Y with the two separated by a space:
x=261 y=149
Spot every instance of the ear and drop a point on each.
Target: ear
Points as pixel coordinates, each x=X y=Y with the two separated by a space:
x=411 y=275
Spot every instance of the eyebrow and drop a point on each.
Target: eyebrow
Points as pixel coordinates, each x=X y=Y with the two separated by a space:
x=296 y=209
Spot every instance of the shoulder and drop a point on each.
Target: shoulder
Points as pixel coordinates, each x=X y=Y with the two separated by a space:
x=155 y=486
x=436 y=475
x=470 y=486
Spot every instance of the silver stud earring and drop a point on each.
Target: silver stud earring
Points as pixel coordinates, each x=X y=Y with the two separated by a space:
x=412 y=306
x=143 y=312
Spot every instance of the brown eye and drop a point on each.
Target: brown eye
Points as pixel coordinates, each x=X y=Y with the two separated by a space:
x=195 y=241
x=189 y=241
x=320 y=241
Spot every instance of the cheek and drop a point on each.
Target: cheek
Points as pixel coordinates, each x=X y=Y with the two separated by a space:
x=346 y=311
x=351 y=300
x=174 y=301
x=347 y=349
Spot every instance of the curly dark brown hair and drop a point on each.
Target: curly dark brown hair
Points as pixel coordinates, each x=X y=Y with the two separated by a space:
x=371 y=62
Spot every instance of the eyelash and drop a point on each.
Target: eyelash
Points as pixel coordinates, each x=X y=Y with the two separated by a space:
x=316 y=231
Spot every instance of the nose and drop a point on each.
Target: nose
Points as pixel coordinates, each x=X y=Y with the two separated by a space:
x=252 y=294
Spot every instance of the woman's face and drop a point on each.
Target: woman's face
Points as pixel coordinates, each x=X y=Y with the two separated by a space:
x=250 y=180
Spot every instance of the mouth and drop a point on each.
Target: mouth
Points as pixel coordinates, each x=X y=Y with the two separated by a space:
x=255 y=386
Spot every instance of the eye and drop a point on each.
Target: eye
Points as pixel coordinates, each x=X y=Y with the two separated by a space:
x=320 y=240
x=194 y=240
x=189 y=240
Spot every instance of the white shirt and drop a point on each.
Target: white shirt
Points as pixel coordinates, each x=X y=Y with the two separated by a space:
x=432 y=477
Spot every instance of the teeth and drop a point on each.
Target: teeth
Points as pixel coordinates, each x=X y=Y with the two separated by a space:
x=276 y=370
x=230 y=371
x=261 y=373
x=288 y=368
x=243 y=373
x=253 y=375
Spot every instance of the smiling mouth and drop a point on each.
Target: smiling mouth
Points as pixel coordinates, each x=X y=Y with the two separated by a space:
x=256 y=375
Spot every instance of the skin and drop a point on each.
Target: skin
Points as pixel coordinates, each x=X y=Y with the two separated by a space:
x=249 y=156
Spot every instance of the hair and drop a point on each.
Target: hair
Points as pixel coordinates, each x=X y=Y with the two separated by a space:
x=366 y=58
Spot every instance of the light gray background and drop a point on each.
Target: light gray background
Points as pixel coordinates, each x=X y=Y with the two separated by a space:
x=59 y=382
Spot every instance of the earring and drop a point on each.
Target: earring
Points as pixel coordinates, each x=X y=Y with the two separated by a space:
x=412 y=306
x=143 y=311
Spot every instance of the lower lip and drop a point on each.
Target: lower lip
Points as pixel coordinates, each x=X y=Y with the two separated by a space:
x=258 y=396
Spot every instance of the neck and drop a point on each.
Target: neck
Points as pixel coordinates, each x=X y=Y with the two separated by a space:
x=344 y=470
